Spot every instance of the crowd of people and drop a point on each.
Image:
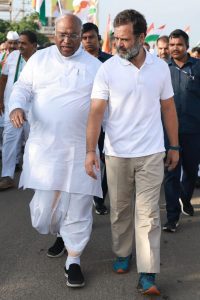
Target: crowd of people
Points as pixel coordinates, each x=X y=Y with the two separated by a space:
x=141 y=128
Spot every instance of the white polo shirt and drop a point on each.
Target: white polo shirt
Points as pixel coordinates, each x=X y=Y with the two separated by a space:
x=133 y=126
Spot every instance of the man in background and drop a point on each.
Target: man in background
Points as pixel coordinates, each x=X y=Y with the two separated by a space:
x=10 y=45
x=162 y=44
x=195 y=52
x=185 y=74
x=12 y=137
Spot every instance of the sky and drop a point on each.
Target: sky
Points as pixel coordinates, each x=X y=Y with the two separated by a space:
x=174 y=13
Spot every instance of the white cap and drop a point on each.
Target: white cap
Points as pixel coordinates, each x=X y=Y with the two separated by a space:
x=12 y=35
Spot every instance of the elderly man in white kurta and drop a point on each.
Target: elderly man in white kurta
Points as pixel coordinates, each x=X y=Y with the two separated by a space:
x=60 y=79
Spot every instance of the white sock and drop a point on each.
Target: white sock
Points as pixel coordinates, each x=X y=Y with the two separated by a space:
x=72 y=260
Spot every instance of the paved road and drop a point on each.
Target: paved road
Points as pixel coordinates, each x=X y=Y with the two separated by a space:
x=26 y=273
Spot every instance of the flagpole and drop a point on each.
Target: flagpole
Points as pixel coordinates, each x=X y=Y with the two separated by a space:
x=60 y=7
x=97 y=12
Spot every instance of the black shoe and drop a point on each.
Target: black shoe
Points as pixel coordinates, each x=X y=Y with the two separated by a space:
x=170 y=226
x=74 y=276
x=100 y=209
x=57 y=249
x=186 y=208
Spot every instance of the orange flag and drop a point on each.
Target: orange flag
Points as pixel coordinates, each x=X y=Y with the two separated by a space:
x=106 y=42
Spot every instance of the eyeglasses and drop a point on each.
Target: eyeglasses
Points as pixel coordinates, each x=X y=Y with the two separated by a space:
x=70 y=36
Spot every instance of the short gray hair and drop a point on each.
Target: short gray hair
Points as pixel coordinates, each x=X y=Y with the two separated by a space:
x=66 y=15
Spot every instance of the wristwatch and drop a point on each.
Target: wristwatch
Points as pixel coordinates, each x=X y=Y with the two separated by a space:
x=176 y=148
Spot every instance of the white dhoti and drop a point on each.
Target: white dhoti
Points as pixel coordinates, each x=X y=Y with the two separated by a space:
x=64 y=213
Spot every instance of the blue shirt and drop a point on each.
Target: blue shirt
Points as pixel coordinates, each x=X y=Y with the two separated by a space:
x=186 y=85
x=103 y=56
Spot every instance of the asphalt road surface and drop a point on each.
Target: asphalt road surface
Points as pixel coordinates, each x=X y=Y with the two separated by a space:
x=26 y=273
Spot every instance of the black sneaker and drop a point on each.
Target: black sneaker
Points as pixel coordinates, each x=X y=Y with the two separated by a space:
x=170 y=226
x=186 y=208
x=74 y=276
x=100 y=209
x=57 y=249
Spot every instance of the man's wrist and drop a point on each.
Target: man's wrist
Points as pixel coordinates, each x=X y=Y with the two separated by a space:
x=90 y=150
x=176 y=148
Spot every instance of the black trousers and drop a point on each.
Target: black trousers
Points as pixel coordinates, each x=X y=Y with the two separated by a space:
x=177 y=187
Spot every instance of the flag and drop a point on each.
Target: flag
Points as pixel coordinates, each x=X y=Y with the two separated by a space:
x=86 y=10
x=187 y=29
x=106 y=42
x=150 y=29
x=40 y=7
x=152 y=37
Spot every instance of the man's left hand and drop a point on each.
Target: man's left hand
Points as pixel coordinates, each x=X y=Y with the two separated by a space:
x=172 y=159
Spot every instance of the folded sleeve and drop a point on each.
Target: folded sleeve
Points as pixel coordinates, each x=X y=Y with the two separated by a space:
x=101 y=85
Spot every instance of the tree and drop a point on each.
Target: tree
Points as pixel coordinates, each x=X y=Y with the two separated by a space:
x=4 y=28
x=27 y=23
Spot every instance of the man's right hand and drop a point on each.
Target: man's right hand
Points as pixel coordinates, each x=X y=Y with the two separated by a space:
x=17 y=117
x=92 y=164
x=1 y=108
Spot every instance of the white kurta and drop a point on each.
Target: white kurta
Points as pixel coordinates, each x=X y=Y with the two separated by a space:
x=9 y=69
x=56 y=148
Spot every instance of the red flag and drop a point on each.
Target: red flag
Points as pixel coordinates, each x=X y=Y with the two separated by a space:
x=161 y=27
x=150 y=28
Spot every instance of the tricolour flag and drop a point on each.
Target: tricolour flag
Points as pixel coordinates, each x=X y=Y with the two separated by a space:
x=86 y=10
x=40 y=7
x=152 y=37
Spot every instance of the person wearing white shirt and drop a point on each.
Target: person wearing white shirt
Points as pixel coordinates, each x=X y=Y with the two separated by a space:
x=135 y=87
x=12 y=137
x=59 y=79
x=10 y=45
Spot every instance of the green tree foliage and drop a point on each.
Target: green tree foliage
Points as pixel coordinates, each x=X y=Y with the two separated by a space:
x=27 y=23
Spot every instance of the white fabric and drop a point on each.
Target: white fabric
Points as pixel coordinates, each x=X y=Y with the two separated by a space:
x=9 y=70
x=12 y=145
x=133 y=126
x=1 y=121
x=1 y=137
x=12 y=35
x=69 y=214
x=12 y=137
x=56 y=147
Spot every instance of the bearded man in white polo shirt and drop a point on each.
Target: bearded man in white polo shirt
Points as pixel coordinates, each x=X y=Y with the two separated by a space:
x=136 y=88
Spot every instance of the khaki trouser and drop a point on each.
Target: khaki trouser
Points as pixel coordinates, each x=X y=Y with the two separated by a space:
x=142 y=176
